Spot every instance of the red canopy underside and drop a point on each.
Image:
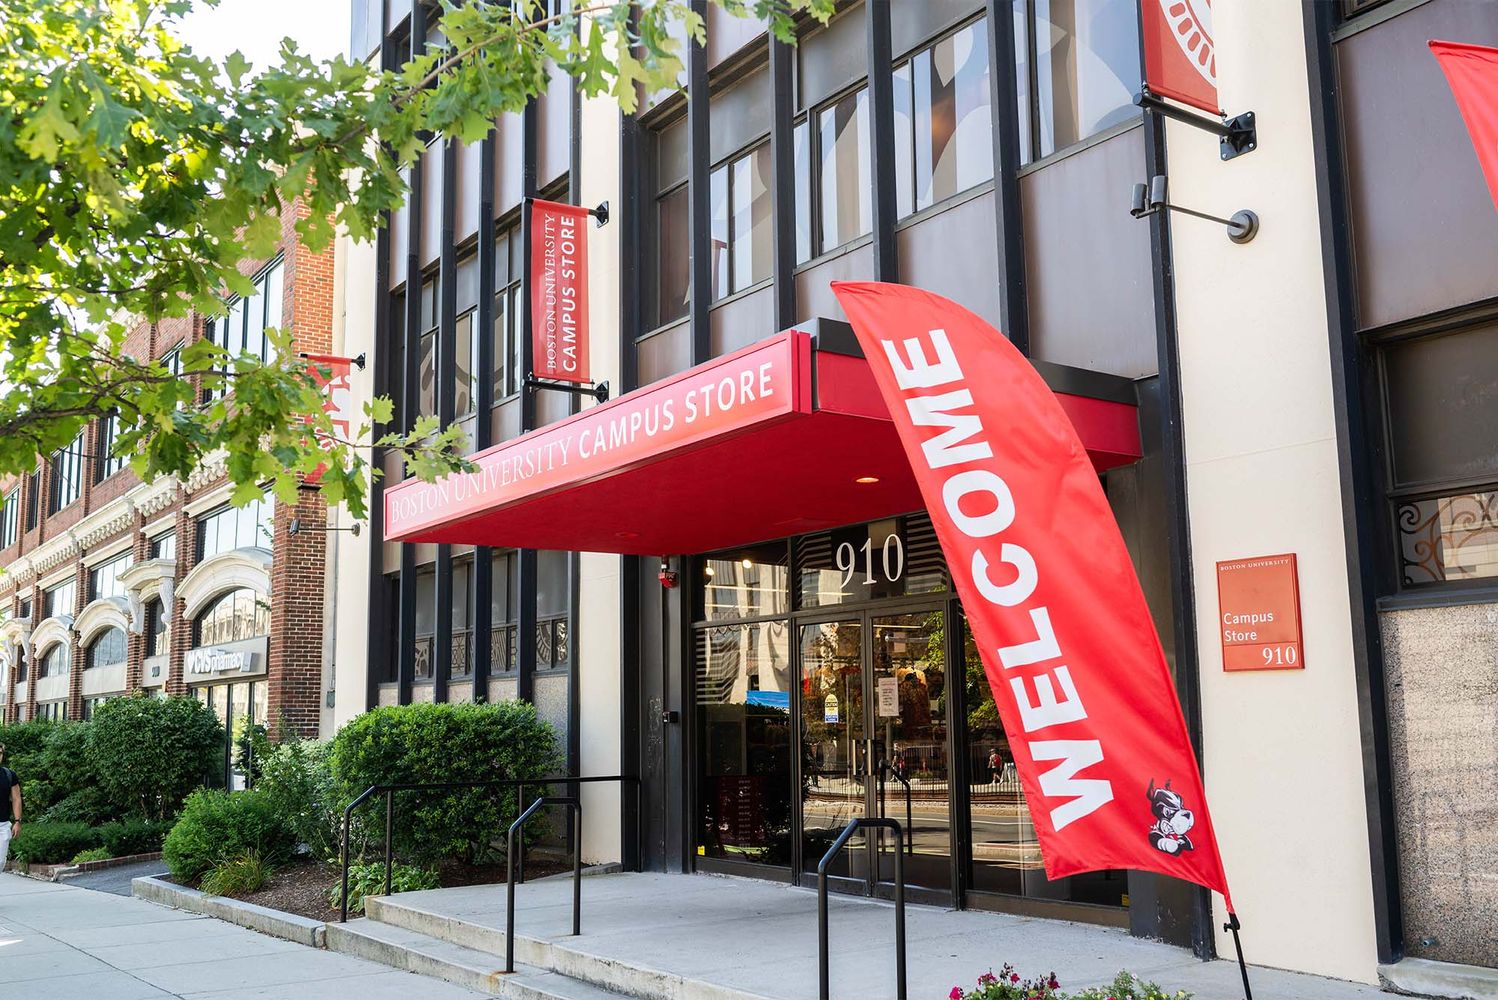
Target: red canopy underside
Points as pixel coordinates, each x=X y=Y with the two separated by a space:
x=792 y=473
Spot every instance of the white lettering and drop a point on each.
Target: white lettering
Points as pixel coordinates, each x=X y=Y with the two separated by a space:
x=1043 y=647
x=1047 y=709
x=1009 y=594
x=1088 y=794
x=947 y=448
x=964 y=484
x=920 y=372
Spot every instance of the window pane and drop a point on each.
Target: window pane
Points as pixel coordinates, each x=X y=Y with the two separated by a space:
x=801 y=143
x=501 y=338
x=1087 y=67
x=905 y=140
x=718 y=197
x=233 y=340
x=499 y=588
x=1022 y=78
x=745 y=583
x=461 y=595
x=427 y=394
x=953 y=127
x=426 y=603
x=847 y=209
x=274 y=290
x=463 y=358
x=753 y=230
x=673 y=257
x=254 y=314
x=743 y=722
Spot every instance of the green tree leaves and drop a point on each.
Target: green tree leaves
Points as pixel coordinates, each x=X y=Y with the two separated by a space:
x=139 y=183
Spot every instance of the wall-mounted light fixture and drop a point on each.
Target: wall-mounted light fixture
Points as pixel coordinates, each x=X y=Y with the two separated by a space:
x=296 y=528
x=1242 y=225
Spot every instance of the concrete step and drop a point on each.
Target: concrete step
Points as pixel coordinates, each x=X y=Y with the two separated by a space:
x=412 y=951
x=565 y=956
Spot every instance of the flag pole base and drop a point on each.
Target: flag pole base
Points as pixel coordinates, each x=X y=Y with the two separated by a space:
x=1233 y=925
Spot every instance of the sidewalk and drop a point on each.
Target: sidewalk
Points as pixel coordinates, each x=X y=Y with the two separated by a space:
x=58 y=942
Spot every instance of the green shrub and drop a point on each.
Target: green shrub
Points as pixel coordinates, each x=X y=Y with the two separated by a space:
x=149 y=752
x=92 y=854
x=217 y=826
x=438 y=743
x=44 y=843
x=133 y=836
x=251 y=746
x=298 y=778
x=369 y=880
x=86 y=805
x=25 y=746
x=239 y=876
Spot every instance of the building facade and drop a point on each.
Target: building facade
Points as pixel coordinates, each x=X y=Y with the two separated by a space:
x=762 y=629
x=113 y=586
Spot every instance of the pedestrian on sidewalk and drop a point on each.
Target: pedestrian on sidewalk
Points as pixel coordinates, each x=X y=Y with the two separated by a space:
x=10 y=807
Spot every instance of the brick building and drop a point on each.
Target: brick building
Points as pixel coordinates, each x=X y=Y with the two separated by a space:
x=111 y=585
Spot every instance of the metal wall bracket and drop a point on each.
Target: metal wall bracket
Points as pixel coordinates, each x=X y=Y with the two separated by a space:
x=598 y=390
x=1242 y=225
x=1237 y=135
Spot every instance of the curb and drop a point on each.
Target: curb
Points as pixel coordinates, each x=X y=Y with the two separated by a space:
x=289 y=926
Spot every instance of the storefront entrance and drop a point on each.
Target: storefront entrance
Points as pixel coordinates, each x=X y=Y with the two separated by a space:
x=833 y=679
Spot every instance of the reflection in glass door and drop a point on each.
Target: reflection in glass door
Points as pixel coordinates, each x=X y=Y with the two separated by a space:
x=834 y=743
x=910 y=744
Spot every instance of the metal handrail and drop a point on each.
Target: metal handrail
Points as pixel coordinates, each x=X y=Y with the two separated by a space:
x=389 y=790
x=824 y=980
x=576 y=807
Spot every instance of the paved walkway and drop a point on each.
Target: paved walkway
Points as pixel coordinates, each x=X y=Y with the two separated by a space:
x=58 y=942
x=760 y=938
x=117 y=880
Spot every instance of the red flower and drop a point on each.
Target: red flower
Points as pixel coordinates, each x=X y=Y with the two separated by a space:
x=956 y=993
x=1014 y=977
x=987 y=979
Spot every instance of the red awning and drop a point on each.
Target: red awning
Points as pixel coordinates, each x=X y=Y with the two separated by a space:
x=784 y=437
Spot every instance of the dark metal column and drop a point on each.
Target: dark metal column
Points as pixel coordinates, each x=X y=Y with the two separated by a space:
x=574 y=563
x=525 y=680
x=699 y=211
x=1014 y=313
x=482 y=575
x=882 y=138
x=1361 y=486
x=447 y=373
x=376 y=607
x=1173 y=459
x=406 y=671
x=783 y=185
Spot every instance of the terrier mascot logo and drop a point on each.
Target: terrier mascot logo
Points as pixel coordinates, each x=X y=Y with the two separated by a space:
x=1173 y=821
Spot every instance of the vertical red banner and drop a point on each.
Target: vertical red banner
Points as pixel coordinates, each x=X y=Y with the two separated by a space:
x=1472 y=72
x=559 y=291
x=1048 y=588
x=331 y=373
x=1180 y=55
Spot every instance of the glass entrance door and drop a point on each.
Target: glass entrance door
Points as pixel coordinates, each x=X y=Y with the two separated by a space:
x=835 y=751
x=911 y=746
x=874 y=743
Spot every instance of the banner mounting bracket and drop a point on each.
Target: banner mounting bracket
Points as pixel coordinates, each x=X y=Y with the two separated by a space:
x=598 y=390
x=1238 y=135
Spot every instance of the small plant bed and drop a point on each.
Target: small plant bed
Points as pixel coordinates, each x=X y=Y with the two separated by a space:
x=1008 y=984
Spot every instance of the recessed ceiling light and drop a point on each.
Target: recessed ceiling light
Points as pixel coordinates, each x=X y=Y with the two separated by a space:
x=866 y=479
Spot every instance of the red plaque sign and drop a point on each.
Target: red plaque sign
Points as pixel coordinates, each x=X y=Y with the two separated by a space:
x=559 y=290
x=1258 y=606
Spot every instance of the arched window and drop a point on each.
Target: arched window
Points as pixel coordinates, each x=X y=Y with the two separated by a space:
x=106 y=651
x=158 y=641
x=235 y=615
x=54 y=661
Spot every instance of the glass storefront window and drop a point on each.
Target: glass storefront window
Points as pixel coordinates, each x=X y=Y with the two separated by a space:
x=157 y=638
x=743 y=714
x=745 y=583
x=889 y=558
x=107 y=650
x=673 y=256
x=845 y=180
x=230 y=528
x=232 y=617
x=1006 y=852
x=1085 y=55
x=104 y=581
x=59 y=600
x=943 y=125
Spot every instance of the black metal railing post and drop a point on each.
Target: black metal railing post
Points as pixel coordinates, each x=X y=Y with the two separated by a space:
x=389 y=835
x=823 y=972
x=576 y=807
x=517 y=783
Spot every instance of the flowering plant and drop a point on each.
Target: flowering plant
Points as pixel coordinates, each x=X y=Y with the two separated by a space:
x=1007 y=985
x=1129 y=987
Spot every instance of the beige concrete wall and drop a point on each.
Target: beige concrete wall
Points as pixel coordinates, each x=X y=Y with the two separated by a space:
x=1282 y=750
x=346 y=644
